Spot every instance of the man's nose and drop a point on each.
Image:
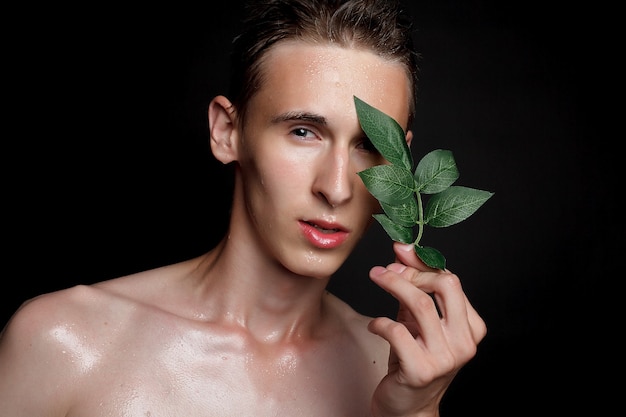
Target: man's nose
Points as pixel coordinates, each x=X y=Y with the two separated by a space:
x=335 y=178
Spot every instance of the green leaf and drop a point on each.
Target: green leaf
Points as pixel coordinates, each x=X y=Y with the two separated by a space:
x=385 y=133
x=453 y=205
x=395 y=231
x=435 y=172
x=405 y=213
x=399 y=190
x=431 y=257
x=388 y=183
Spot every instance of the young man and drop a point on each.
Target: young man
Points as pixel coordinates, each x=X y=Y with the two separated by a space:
x=248 y=329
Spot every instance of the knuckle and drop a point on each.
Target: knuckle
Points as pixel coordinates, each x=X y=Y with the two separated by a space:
x=397 y=330
x=447 y=363
x=450 y=281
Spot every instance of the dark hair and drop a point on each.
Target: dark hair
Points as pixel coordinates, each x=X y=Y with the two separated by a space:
x=381 y=26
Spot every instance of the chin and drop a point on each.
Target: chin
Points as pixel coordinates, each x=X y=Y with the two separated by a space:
x=317 y=266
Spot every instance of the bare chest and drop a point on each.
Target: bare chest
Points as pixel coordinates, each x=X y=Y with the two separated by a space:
x=228 y=377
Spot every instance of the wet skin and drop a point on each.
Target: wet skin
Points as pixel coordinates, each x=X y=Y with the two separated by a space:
x=247 y=327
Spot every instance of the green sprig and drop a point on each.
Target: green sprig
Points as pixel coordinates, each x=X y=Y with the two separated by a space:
x=400 y=189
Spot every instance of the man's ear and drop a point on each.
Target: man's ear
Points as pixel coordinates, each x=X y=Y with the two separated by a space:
x=222 y=129
x=409 y=137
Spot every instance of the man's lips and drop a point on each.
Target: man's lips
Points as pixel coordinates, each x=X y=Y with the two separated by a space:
x=323 y=234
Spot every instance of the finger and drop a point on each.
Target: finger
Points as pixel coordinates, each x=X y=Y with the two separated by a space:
x=477 y=324
x=418 y=302
x=459 y=319
x=415 y=366
x=405 y=253
x=463 y=326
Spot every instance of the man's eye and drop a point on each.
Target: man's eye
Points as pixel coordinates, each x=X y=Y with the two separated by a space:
x=367 y=145
x=302 y=132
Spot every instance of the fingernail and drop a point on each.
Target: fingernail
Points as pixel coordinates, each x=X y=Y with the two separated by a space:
x=377 y=271
x=395 y=267
x=407 y=247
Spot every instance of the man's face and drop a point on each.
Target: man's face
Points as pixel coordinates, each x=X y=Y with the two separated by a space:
x=302 y=146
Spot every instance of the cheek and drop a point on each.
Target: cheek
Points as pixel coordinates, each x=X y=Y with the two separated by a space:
x=276 y=181
x=284 y=171
x=283 y=174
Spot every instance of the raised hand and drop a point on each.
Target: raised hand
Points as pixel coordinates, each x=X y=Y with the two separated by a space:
x=435 y=334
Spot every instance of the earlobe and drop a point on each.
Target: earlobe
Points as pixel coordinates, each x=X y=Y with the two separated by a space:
x=409 y=137
x=222 y=129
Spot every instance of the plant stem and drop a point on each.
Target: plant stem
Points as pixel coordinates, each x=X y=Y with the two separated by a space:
x=420 y=219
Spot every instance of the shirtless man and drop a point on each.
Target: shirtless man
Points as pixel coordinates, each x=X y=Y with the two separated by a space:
x=248 y=329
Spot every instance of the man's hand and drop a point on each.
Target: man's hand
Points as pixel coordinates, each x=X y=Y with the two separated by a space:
x=435 y=335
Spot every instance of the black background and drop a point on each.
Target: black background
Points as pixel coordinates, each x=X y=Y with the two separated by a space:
x=108 y=172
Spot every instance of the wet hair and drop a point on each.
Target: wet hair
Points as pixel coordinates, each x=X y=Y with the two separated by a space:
x=381 y=26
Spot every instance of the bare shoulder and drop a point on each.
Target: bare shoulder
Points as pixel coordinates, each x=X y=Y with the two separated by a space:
x=83 y=308
x=41 y=350
x=73 y=309
x=57 y=341
x=46 y=313
x=47 y=328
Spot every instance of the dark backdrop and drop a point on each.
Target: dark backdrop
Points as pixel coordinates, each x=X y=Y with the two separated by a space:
x=108 y=172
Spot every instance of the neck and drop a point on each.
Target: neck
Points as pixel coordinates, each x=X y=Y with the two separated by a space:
x=264 y=298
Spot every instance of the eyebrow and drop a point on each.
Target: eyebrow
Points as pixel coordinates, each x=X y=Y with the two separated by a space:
x=300 y=116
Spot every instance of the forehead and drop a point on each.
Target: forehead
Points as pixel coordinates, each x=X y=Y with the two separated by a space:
x=296 y=74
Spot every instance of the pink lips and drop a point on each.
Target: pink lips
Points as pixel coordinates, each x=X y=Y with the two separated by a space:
x=323 y=235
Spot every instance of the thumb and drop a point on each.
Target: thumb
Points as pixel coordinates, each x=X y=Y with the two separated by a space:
x=405 y=254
